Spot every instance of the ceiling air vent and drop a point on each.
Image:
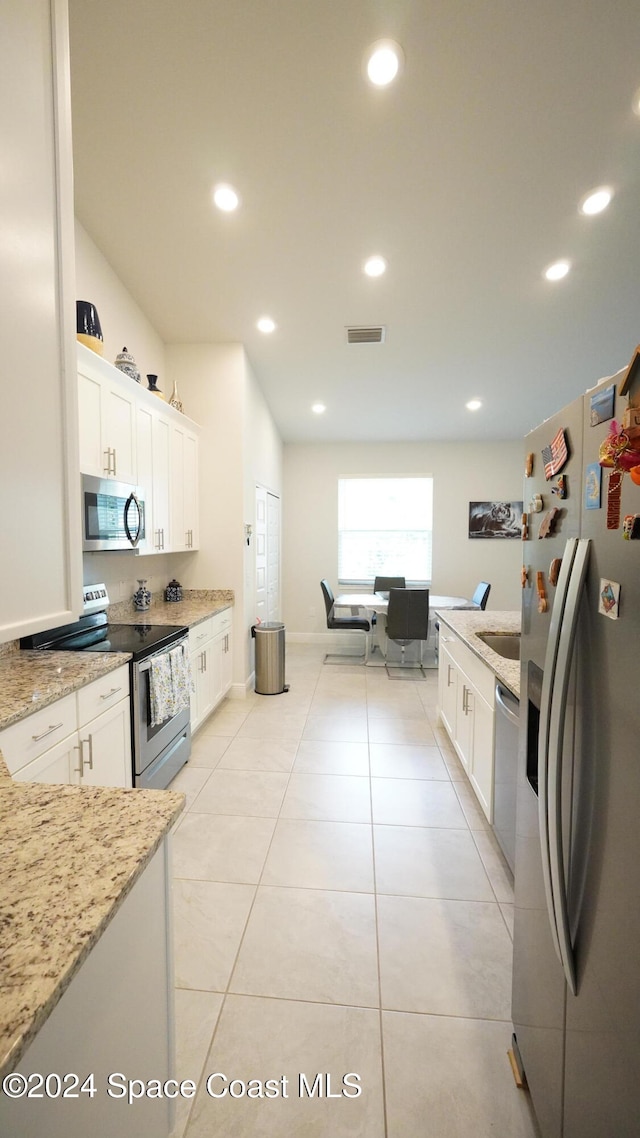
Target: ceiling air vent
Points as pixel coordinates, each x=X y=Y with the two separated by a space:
x=367 y=335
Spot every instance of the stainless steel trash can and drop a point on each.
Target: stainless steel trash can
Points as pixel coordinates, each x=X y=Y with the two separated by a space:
x=269 y=638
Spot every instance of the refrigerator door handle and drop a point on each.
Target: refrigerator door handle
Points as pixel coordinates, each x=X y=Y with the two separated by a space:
x=546 y=710
x=556 y=739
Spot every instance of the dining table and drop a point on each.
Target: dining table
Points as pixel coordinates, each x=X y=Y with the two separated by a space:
x=379 y=603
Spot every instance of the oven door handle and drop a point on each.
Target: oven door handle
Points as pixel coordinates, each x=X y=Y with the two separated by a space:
x=127 y=506
x=146 y=664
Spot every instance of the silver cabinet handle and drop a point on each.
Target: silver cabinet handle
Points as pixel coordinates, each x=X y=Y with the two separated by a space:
x=78 y=747
x=88 y=762
x=204 y=657
x=107 y=695
x=449 y=681
x=162 y=538
x=114 y=462
x=108 y=468
x=37 y=738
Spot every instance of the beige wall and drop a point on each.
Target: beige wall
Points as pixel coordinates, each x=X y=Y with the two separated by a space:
x=461 y=472
x=123 y=322
x=239 y=446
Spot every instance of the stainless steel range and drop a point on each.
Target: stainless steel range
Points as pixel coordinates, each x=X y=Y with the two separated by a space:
x=158 y=751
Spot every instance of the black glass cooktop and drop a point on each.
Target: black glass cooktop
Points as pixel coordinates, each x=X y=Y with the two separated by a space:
x=93 y=633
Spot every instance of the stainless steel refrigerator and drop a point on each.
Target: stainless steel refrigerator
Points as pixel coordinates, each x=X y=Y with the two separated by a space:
x=576 y=976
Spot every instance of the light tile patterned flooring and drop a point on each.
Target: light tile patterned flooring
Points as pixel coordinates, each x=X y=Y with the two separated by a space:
x=340 y=905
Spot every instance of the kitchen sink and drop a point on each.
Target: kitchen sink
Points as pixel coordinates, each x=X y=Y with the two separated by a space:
x=506 y=644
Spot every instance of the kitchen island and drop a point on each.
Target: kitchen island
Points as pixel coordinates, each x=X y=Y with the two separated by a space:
x=86 y=982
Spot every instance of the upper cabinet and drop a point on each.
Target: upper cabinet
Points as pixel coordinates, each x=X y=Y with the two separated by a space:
x=184 y=488
x=130 y=435
x=40 y=547
x=107 y=414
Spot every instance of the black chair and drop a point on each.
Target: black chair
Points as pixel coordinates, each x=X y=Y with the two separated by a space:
x=481 y=595
x=408 y=619
x=348 y=624
x=383 y=584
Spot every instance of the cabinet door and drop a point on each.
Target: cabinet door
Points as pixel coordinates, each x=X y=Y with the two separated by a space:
x=225 y=664
x=106 y=748
x=119 y=430
x=60 y=764
x=447 y=690
x=161 y=482
x=93 y=459
x=464 y=720
x=195 y=717
x=205 y=672
x=191 y=490
x=144 y=454
x=481 y=773
x=178 y=533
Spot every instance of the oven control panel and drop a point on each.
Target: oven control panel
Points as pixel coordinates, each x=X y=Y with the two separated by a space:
x=95 y=598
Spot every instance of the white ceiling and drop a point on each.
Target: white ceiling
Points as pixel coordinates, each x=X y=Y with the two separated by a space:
x=466 y=175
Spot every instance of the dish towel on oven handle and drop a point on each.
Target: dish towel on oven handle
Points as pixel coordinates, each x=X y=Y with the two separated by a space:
x=180 y=678
x=169 y=684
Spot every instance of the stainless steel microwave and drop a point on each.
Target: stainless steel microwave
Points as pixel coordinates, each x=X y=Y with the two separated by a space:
x=112 y=514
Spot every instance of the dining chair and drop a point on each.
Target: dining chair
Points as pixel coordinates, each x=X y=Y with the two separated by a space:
x=383 y=584
x=347 y=624
x=481 y=595
x=408 y=620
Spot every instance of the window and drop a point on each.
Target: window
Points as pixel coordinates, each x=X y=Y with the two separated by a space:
x=384 y=529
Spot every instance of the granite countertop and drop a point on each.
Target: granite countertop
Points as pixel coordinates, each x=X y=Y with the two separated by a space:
x=196 y=606
x=468 y=624
x=30 y=680
x=70 y=855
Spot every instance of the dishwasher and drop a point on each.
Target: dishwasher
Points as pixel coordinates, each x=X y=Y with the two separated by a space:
x=505 y=771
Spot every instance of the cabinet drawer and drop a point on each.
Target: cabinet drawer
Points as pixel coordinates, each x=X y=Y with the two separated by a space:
x=479 y=673
x=200 y=633
x=31 y=737
x=102 y=694
x=221 y=622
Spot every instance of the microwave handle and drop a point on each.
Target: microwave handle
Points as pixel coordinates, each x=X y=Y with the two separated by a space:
x=132 y=498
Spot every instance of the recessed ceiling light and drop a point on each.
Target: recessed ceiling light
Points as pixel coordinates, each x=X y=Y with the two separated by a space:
x=596 y=201
x=226 y=198
x=474 y=405
x=266 y=324
x=318 y=408
x=557 y=270
x=375 y=266
x=384 y=59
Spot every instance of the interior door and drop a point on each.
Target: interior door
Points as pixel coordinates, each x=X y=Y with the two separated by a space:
x=261 y=553
x=273 y=557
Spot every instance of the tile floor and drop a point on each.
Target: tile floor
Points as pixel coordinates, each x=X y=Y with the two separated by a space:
x=340 y=906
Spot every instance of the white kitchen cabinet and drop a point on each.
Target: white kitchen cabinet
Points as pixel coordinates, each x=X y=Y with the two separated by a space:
x=39 y=424
x=116 y=1015
x=107 y=419
x=83 y=738
x=211 y=656
x=466 y=702
x=161 y=532
x=184 y=488
x=153 y=477
x=58 y=764
x=105 y=742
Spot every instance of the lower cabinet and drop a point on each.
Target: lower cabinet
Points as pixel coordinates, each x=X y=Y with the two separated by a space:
x=114 y=1022
x=210 y=655
x=466 y=700
x=84 y=738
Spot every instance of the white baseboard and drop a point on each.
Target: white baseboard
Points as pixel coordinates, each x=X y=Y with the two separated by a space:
x=240 y=690
x=327 y=640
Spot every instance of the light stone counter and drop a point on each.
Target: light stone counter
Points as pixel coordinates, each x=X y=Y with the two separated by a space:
x=69 y=855
x=466 y=625
x=30 y=680
x=196 y=605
